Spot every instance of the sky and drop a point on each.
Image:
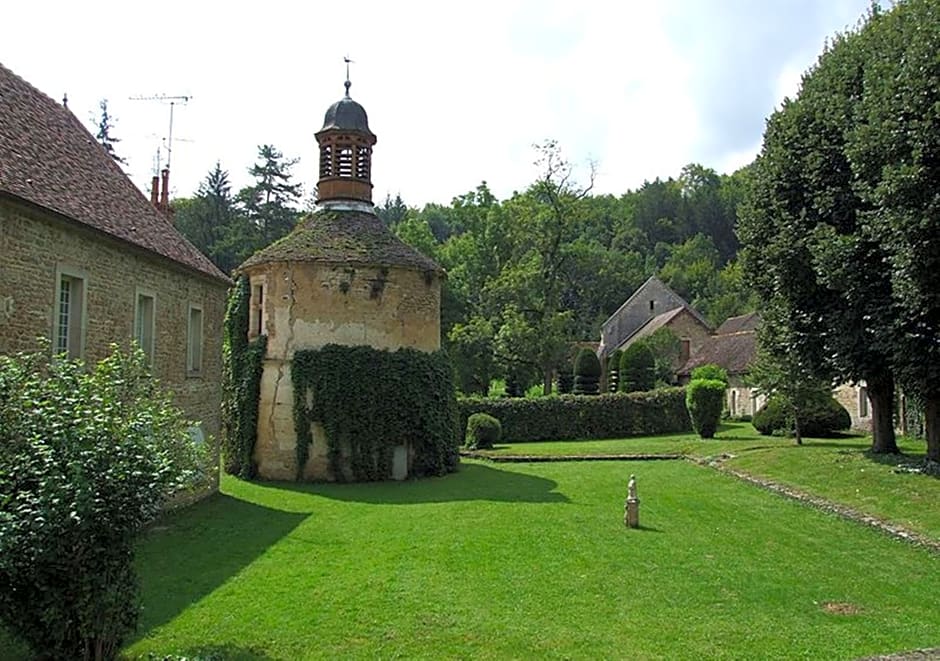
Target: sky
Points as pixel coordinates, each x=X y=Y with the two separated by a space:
x=457 y=93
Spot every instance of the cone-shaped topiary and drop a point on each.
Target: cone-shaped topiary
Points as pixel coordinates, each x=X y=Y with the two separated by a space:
x=705 y=399
x=637 y=368
x=587 y=373
x=613 y=370
x=565 y=378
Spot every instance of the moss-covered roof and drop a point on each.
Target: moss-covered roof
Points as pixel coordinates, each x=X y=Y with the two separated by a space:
x=343 y=237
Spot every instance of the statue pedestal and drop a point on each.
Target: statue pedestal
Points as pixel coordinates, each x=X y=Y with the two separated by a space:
x=632 y=519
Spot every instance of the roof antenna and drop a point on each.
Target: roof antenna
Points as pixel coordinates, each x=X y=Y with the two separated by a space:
x=347 y=84
x=65 y=100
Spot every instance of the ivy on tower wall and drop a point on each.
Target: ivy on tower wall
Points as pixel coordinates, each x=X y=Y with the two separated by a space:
x=241 y=383
x=370 y=401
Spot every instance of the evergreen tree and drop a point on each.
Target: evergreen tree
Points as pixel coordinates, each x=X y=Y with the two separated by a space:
x=105 y=124
x=270 y=204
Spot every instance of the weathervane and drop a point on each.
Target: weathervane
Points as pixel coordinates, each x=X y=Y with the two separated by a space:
x=347 y=83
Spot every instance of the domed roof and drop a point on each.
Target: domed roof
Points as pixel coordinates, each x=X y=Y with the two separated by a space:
x=346 y=115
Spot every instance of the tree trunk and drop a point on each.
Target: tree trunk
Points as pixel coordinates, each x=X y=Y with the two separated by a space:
x=932 y=426
x=547 y=381
x=797 y=436
x=881 y=395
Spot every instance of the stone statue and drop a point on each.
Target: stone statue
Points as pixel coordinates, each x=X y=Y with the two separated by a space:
x=631 y=488
x=631 y=508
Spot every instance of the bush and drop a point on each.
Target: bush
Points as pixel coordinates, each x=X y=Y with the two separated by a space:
x=587 y=373
x=86 y=459
x=821 y=418
x=711 y=372
x=570 y=417
x=565 y=382
x=637 y=368
x=613 y=371
x=705 y=398
x=483 y=431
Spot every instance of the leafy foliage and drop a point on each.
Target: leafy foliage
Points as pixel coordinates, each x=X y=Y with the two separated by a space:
x=711 y=372
x=587 y=372
x=705 y=398
x=637 y=368
x=86 y=459
x=483 y=431
x=576 y=417
x=409 y=400
x=241 y=383
x=821 y=418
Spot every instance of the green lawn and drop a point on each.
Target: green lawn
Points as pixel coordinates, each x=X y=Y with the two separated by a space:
x=528 y=560
x=839 y=469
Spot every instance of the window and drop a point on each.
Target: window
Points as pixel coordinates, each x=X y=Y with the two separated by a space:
x=69 y=318
x=144 y=318
x=863 y=402
x=256 y=308
x=652 y=305
x=194 y=340
x=734 y=403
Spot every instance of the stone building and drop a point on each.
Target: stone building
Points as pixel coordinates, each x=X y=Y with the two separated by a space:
x=651 y=307
x=86 y=260
x=734 y=348
x=340 y=277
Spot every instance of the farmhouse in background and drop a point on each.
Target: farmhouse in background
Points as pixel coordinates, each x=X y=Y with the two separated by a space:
x=87 y=261
x=732 y=347
x=651 y=307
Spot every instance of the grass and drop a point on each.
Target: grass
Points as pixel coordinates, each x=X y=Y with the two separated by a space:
x=839 y=469
x=532 y=560
x=525 y=561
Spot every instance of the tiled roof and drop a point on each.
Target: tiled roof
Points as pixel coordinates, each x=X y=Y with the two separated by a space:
x=48 y=158
x=654 y=324
x=343 y=237
x=744 y=322
x=733 y=351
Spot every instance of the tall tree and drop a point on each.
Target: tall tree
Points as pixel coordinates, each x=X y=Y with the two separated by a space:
x=894 y=151
x=271 y=202
x=104 y=124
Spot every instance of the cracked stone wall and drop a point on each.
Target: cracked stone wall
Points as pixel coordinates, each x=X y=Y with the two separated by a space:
x=307 y=305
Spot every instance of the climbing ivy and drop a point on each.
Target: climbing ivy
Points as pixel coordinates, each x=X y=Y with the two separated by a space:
x=241 y=383
x=370 y=401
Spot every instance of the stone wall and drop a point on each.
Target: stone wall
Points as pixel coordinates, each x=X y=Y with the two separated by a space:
x=742 y=399
x=307 y=305
x=35 y=246
x=855 y=400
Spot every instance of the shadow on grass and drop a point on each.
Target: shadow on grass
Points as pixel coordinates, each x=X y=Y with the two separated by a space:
x=470 y=482
x=189 y=553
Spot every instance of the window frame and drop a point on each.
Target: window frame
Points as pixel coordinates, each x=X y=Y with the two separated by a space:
x=194 y=363
x=149 y=351
x=78 y=309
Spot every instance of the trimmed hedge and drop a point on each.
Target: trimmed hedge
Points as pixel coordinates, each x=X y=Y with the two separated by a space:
x=573 y=417
x=587 y=373
x=705 y=398
x=483 y=431
x=821 y=420
x=637 y=368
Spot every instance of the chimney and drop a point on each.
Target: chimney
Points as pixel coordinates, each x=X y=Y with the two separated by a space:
x=164 y=205
x=155 y=191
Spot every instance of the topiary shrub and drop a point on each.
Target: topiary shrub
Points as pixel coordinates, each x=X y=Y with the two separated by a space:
x=637 y=368
x=705 y=399
x=565 y=381
x=821 y=418
x=613 y=371
x=87 y=458
x=483 y=431
x=712 y=372
x=587 y=373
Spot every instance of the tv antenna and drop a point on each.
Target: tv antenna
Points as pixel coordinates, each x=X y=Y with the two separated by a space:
x=172 y=100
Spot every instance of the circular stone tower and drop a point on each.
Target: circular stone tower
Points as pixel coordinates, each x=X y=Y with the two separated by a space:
x=340 y=277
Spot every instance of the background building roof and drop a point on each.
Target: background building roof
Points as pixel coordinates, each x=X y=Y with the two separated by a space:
x=48 y=158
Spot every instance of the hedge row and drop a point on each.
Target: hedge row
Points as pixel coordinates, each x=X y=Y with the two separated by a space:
x=569 y=417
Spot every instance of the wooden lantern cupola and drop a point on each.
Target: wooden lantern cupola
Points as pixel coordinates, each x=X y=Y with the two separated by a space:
x=345 y=153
